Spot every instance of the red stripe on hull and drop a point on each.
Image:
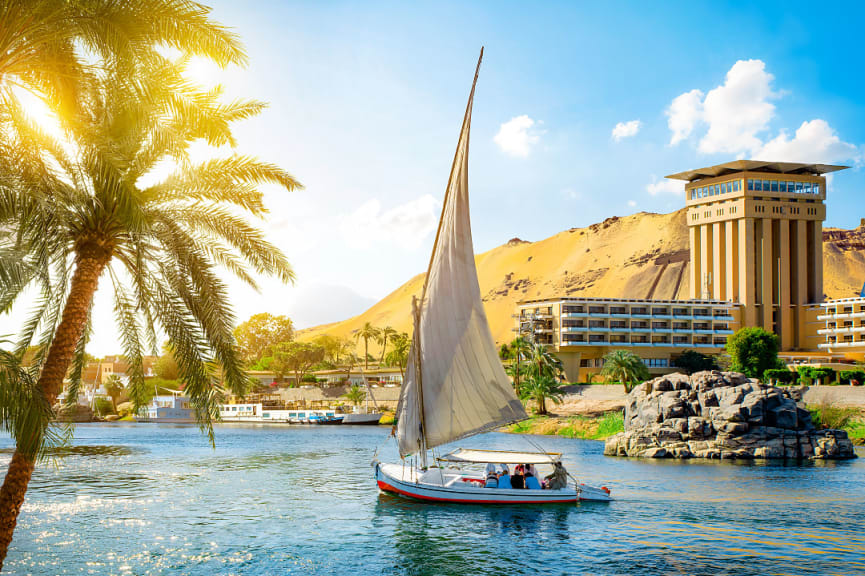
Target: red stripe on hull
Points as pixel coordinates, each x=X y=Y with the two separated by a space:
x=388 y=488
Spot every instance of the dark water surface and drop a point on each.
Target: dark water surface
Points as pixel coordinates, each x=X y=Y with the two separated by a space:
x=156 y=499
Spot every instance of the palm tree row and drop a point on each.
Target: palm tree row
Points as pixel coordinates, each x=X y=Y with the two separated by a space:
x=74 y=211
x=382 y=336
x=536 y=371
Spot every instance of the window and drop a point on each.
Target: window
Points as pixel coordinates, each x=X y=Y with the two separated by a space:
x=807 y=187
x=782 y=186
x=816 y=188
x=799 y=187
x=774 y=185
x=736 y=185
x=766 y=186
x=656 y=362
x=750 y=184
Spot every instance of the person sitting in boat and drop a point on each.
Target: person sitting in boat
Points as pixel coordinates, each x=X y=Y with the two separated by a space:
x=531 y=478
x=492 y=477
x=505 y=477
x=558 y=479
x=518 y=480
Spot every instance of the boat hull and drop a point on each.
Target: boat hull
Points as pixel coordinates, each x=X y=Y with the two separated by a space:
x=404 y=481
x=362 y=419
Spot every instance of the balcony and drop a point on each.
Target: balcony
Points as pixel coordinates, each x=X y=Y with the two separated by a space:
x=574 y=329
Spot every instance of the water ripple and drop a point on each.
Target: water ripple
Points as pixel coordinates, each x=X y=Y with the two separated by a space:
x=152 y=499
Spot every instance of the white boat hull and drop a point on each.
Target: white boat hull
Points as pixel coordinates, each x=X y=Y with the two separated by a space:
x=452 y=485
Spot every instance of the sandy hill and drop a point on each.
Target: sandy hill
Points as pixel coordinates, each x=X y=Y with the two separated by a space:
x=640 y=256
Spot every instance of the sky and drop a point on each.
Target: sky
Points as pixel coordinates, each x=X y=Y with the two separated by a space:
x=580 y=111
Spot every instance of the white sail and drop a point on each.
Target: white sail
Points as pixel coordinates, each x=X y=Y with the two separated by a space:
x=455 y=384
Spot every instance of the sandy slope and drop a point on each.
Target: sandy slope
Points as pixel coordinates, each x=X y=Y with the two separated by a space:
x=640 y=256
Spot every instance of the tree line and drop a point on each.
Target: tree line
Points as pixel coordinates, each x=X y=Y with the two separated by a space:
x=268 y=342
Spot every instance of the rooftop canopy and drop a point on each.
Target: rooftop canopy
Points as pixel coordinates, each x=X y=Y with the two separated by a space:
x=755 y=166
x=500 y=457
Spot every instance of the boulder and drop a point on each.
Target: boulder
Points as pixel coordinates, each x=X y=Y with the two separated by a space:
x=722 y=415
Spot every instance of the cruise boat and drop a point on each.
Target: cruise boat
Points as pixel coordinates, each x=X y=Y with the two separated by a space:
x=170 y=408
x=455 y=386
x=258 y=413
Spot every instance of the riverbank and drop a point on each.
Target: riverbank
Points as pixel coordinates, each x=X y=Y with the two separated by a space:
x=581 y=426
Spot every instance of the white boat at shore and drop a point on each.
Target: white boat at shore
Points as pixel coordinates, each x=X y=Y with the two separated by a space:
x=259 y=414
x=455 y=386
x=171 y=408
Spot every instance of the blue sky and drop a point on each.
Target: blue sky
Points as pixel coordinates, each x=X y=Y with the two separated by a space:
x=366 y=101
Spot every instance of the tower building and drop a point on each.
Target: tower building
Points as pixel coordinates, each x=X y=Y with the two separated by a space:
x=756 y=238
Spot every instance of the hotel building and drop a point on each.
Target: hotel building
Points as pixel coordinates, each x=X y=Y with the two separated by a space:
x=756 y=259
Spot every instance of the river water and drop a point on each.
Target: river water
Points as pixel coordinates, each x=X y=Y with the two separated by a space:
x=157 y=499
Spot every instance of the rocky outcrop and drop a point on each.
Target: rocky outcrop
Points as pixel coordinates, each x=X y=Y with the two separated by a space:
x=722 y=415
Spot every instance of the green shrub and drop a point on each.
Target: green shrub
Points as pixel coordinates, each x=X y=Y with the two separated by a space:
x=823 y=375
x=854 y=377
x=309 y=378
x=103 y=406
x=811 y=375
x=692 y=361
x=753 y=351
x=824 y=415
x=780 y=375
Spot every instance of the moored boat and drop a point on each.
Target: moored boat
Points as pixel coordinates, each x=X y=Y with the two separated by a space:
x=455 y=386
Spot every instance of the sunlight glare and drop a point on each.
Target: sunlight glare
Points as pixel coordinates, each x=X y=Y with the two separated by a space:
x=39 y=112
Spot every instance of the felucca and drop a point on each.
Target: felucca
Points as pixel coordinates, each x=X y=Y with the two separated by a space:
x=455 y=386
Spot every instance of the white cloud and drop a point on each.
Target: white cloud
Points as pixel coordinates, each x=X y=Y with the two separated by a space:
x=734 y=112
x=739 y=109
x=814 y=141
x=624 y=130
x=664 y=186
x=684 y=113
x=517 y=136
x=406 y=225
x=632 y=203
x=737 y=114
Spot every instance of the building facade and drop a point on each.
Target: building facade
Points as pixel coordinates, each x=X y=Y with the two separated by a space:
x=756 y=259
x=584 y=330
x=844 y=327
x=756 y=238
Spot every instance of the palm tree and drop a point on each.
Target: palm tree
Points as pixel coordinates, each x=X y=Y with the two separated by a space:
x=625 y=367
x=41 y=53
x=543 y=362
x=398 y=355
x=114 y=387
x=540 y=389
x=367 y=332
x=384 y=334
x=518 y=351
x=355 y=394
x=76 y=218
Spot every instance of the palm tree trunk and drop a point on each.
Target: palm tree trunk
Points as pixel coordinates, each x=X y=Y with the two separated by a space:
x=383 y=349
x=517 y=376
x=366 y=354
x=90 y=263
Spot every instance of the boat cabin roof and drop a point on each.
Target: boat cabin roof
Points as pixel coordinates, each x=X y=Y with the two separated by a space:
x=500 y=457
